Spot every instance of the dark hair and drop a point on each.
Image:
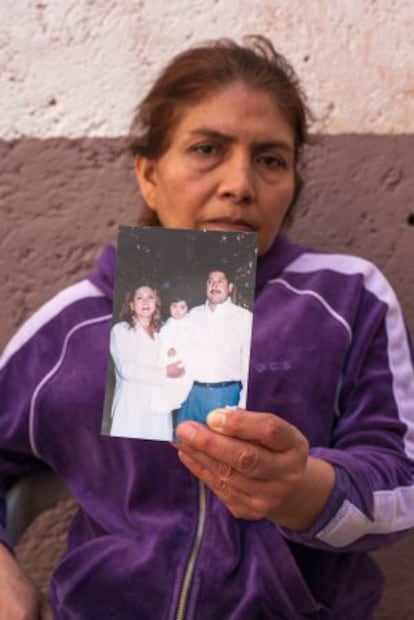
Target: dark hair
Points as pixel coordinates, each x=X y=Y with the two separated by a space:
x=201 y=70
x=225 y=270
x=177 y=296
x=127 y=314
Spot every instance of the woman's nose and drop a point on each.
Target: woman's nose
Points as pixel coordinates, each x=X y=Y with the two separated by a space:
x=238 y=182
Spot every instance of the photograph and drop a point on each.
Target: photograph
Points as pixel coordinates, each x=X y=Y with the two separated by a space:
x=181 y=330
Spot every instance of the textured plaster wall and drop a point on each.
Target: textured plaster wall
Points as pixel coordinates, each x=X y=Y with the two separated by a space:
x=71 y=73
x=76 y=68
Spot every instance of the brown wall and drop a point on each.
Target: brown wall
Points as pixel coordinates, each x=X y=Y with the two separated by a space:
x=60 y=199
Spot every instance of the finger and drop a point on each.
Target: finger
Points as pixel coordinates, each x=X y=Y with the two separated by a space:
x=250 y=459
x=251 y=487
x=242 y=506
x=267 y=429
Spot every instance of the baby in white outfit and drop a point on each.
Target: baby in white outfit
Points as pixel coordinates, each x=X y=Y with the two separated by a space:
x=175 y=348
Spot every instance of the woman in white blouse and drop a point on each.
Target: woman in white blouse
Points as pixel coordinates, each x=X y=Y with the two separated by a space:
x=135 y=349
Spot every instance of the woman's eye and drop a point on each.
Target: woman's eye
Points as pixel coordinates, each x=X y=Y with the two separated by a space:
x=206 y=148
x=272 y=161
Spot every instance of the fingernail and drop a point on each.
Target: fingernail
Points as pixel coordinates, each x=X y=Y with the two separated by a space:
x=216 y=419
x=186 y=431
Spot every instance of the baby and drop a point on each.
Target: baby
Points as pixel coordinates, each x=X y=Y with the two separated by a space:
x=174 y=334
x=175 y=348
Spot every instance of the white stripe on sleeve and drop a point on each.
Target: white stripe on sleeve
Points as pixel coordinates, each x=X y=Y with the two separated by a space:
x=393 y=508
x=69 y=295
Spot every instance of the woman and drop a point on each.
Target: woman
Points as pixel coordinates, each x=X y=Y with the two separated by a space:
x=269 y=512
x=135 y=350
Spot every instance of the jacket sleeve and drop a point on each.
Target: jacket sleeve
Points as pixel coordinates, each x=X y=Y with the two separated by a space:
x=22 y=368
x=372 y=444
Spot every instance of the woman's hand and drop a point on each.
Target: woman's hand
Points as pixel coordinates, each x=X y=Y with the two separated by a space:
x=174 y=371
x=19 y=598
x=258 y=465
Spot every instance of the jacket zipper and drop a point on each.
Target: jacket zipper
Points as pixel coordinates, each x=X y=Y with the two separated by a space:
x=189 y=572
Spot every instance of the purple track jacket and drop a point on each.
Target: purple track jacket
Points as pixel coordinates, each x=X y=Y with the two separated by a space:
x=330 y=354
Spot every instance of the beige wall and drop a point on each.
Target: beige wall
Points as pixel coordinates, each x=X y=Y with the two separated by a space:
x=77 y=68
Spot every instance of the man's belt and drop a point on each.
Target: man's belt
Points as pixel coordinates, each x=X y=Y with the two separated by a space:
x=220 y=384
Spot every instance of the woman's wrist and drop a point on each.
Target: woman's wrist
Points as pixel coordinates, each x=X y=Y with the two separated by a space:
x=305 y=504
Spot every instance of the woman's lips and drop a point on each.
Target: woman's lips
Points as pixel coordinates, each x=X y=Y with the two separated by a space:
x=229 y=224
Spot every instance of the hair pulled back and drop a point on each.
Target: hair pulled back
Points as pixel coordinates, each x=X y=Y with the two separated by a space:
x=207 y=68
x=199 y=71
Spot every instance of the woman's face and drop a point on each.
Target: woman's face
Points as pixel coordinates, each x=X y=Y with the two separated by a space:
x=144 y=303
x=230 y=165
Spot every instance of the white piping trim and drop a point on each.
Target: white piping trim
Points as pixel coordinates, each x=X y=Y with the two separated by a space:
x=54 y=306
x=321 y=300
x=53 y=370
x=398 y=348
x=330 y=311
